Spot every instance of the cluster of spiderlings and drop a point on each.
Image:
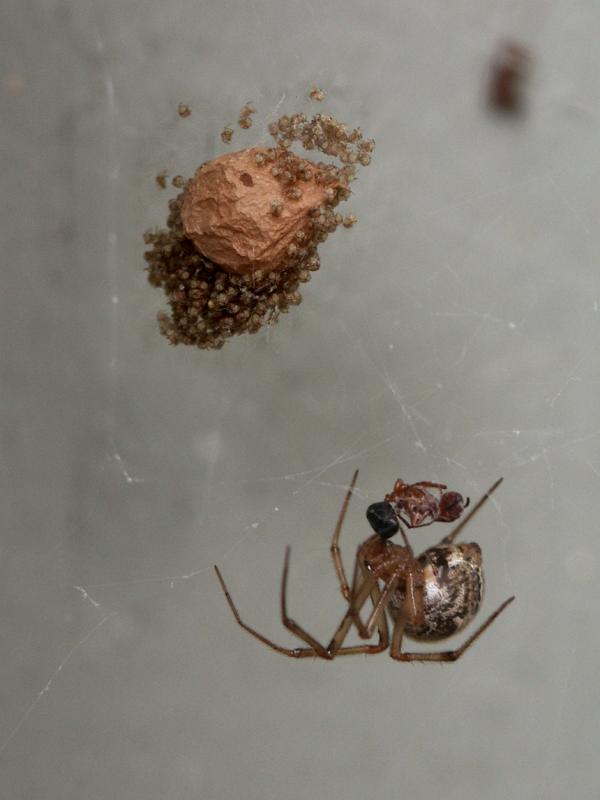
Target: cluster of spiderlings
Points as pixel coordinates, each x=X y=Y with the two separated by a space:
x=331 y=137
x=245 y=118
x=209 y=305
x=325 y=133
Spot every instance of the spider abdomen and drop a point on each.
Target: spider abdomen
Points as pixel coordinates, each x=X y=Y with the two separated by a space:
x=452 y=591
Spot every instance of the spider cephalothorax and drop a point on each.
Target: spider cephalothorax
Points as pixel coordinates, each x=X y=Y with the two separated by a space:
x=428 y=597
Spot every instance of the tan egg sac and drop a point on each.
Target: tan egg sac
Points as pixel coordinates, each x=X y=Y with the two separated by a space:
x=228 y=207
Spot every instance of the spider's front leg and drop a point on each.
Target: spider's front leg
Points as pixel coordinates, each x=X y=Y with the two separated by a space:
x=360 y=595
x=350 y=592
x=292 y=652
x=335 y=548
x=315 y=649
x=291 y=624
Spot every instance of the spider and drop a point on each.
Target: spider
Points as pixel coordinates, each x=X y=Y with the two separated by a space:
x=428 y=597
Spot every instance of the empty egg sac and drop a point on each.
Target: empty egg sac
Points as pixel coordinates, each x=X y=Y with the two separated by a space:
x=226 y=211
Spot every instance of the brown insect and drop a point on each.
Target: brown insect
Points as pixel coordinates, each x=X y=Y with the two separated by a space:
x=510 y=70
x=416 y=505
x=428 y=597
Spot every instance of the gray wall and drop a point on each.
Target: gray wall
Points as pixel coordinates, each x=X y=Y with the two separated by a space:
x=452 y=335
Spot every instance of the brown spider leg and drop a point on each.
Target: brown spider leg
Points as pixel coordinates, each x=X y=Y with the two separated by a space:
x=353 y=591
x=291 y=624
x=356 y=603
x=375 y=595
x=336 y=555
x=358 y=599
x=295 y=652
x=411 y=609
x=376 y=599
x=398 y=632
x=415 y=598
x=317 y=648
x=366 y=631
x=452 y=536
x=380 y=600
x=334 y=548
x=445 y=655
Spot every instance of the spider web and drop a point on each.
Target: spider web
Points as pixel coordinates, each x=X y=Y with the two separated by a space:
x=450 y=336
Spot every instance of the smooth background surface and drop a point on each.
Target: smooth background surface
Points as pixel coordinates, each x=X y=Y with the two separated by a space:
x=452 y=335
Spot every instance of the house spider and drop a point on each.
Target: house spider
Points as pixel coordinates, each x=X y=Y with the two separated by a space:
x=428 y=597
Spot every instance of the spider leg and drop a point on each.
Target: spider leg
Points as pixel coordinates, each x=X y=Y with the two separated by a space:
x=376 y=617
x=444 y=655
x=375 y=595
x=302 y=652
x=335 y=550
x=452 y=536
x=380 y=602
x=358 y=600
x=291 y=624
x=295 y=652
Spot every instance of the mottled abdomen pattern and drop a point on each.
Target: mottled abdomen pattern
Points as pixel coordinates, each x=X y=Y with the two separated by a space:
x=452 y=592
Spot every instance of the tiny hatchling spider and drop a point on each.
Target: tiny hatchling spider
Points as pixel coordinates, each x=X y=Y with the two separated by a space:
x=428 y=597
